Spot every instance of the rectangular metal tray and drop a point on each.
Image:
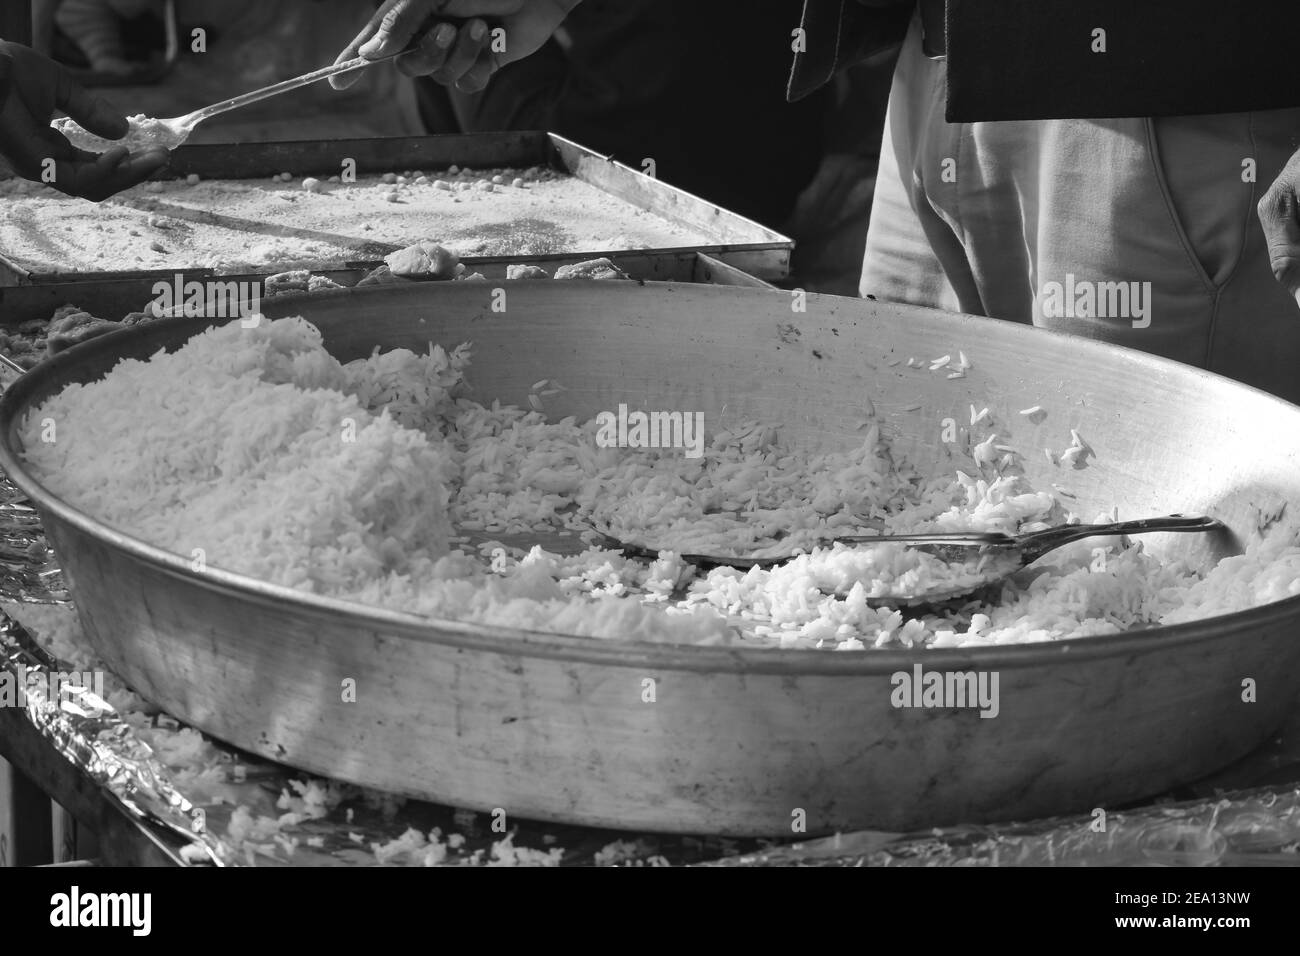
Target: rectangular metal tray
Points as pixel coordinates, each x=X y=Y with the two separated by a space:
x=113 y=298
x=736 y=241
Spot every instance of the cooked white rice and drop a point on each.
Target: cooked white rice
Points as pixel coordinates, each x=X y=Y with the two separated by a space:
x=255 y=451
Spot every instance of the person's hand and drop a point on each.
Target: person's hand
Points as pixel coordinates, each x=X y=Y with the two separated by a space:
x=1279 y=214
x=37 y=86
x=451 y=40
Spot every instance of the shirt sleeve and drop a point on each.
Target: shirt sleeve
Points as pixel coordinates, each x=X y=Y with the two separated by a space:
x=835 y=34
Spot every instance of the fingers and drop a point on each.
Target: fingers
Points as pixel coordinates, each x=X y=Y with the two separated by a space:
x=431 y=54
x=90 y=112
x=108 y=173
x=477 y=76
x=352 y=50
x=471 y=41
x=31 y=147
x=1279 y=214
x=397 y=26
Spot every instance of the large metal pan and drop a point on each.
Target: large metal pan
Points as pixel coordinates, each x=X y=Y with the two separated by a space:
x=736 y=741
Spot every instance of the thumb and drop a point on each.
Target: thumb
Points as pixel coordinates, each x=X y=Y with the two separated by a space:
x=90 y=112
x=1279 y=214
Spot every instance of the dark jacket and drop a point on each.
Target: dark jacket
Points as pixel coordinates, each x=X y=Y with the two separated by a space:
x=1041 y=59
x=6 y=72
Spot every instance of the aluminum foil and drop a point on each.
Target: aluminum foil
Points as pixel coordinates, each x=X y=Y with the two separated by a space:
x=28 y=570
x=1256 y=827
x=86 y=730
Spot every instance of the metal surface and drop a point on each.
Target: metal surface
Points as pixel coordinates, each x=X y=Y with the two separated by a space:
x=737 y=242
x=737 y=741
x=951 y=545
x=182 y=126
x=112 y=299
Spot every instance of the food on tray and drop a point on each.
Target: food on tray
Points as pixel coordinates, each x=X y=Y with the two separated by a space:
x=425 y=260
x=144 y=133
x=242 y=226
x=25 y=344
x=270 y=458
x=30 y=343
x=71 y=325
x=298 y=280
x=591 y=269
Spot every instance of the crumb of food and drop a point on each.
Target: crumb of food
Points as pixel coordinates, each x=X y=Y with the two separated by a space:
x=423 y=259
x=442 y=184
x=380 y=275
x=517 y=183
x=526 y=272
x=389 y=178
x=322 y=283
x=286 y=177
x=72 y=325
x=192 y=179
x=293 y=281
x=193 y=853
x=623 y=851
x=600 y=268
x=311 y=185
x=453 y=169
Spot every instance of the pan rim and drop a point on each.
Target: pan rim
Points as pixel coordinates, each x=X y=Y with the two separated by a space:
x=20 y=397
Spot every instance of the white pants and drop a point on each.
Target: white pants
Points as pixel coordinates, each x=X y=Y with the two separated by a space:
x=1083 y=225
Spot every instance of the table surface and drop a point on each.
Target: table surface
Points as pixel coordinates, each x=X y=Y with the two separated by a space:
x=126 y=839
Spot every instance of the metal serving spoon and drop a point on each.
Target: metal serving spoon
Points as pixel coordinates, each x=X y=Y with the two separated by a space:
x=172 y=132
x=1009 y=553
x=180 y=127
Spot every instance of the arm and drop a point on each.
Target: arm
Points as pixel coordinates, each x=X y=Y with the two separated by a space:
x=32 y=87
x=452 y=41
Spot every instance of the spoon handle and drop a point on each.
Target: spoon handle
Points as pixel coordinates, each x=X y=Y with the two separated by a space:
x=969 y=538
x=191 y=120
x=1037 y=543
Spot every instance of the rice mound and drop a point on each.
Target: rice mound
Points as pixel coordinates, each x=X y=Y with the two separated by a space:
x=254 y=450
